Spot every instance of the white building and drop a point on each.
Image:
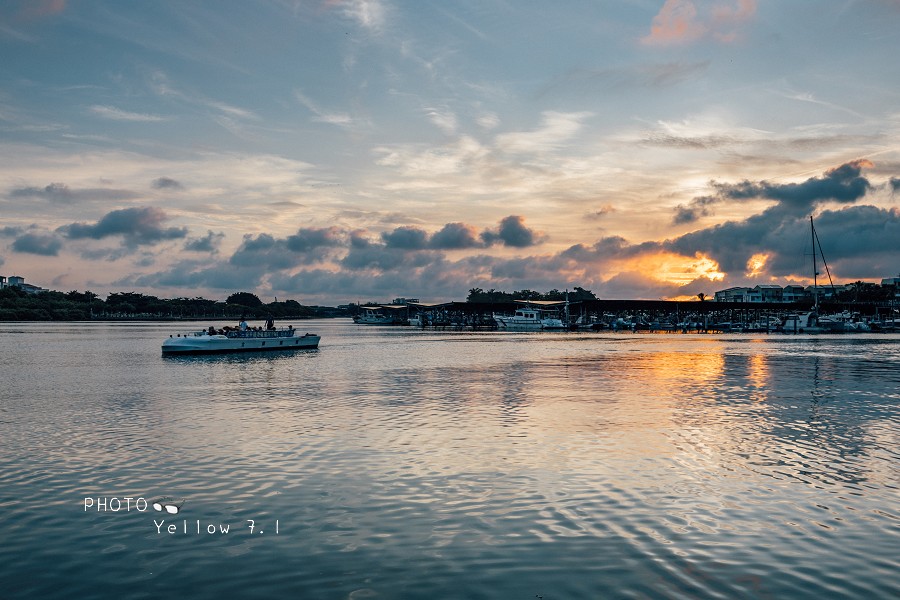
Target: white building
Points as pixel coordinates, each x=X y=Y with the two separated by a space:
x=19 y=282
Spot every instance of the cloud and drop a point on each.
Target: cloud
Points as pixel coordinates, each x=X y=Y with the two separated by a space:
x=11 y=231
x=895 y=184
x=601 y=212
x=455 y=236
x=512 y=232
x=36 y=9
x=194 y=275
x=208 y=243
x=681 y=22
x=555 y=130
x=61 y=193
x=42 y=244
x=116 y=114
x=137 y=226
x=855 y=231
x=841 y=184
x=696 y=209
x=406 y=238
x=444 y=120
x=166 y=183
x=322 y=116
x=639 y=76
x=55 y=192
x=370 y=14
x=310 y=238
x=307 y=246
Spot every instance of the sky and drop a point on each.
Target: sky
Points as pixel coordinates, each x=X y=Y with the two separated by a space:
x=335 y=151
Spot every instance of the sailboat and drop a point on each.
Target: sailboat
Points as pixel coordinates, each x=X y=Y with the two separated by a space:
x=811 y=322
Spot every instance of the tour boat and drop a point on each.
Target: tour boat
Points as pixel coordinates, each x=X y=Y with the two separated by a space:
x=528 y=319
x=236 y=340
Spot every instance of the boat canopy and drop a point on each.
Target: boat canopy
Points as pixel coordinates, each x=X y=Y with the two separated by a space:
x=541 y=302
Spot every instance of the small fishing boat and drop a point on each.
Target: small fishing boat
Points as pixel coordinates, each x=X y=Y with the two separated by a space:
x=236 y=340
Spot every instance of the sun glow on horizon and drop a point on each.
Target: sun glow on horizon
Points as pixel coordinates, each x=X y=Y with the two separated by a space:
x=756 y=264
x=678 y=269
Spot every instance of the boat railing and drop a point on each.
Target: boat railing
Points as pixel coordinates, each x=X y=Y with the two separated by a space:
x=250 y=333
x=272 y=333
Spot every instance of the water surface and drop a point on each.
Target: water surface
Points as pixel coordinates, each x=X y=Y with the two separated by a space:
x=407 y=464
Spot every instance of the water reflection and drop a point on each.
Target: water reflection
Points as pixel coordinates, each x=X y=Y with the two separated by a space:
x=562 y=466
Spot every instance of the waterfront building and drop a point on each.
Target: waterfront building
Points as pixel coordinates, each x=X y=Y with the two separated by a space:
x=793 y=293
x=733 y=294
x=19 y=282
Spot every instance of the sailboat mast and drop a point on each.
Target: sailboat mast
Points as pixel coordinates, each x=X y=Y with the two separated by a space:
x=812 y=230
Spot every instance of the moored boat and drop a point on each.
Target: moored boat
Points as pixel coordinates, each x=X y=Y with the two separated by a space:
x=208 y=342
x=529 y=319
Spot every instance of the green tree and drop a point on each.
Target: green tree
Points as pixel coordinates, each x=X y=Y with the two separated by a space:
x=244 y=299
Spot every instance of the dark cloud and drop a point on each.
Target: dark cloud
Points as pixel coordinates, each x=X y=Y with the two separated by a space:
x=606 y=248
x=208 y=243
x=843 y=184
x=166 y=183
x=56 y=192
x=310 y=238
x=601 y=212
x=455 y=236
x=11 y=231
x=782 y=229
x=895 y=184
x=381 y=257
x=406 y=238
x=137 y=226
x=699 y=207
x=193 y=274
x=512 y=232
x=43 y=244
x=61 y=193
x=307 y=246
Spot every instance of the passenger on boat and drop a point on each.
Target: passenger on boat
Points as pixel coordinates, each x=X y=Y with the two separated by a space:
x=270 y=323
x=211 y=331
x=243 y=325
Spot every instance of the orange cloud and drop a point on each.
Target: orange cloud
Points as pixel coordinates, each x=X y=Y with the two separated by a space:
x=36 y=9
x=680 y=21
x=756 y=264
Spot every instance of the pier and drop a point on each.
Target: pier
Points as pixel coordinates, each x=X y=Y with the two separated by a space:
x=634 y=315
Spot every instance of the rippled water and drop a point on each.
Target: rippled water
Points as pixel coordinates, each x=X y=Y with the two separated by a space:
x=410 y=464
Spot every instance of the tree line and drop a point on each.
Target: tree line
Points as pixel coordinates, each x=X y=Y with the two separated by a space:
x=18 y=305
x=492 y=295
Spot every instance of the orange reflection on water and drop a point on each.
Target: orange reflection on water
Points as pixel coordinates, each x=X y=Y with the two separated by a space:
x=758 y=367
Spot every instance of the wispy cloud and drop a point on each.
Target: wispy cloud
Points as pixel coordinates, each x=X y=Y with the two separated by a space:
x=321 y=115
x=117 y=114
x=370 y=14
x=444 y=119
x=555 y=130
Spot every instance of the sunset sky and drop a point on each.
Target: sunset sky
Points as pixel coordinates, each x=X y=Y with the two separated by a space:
x=344 y=150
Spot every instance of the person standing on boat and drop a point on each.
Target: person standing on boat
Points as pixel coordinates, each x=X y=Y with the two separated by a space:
x=270 y=323
x=243 y=324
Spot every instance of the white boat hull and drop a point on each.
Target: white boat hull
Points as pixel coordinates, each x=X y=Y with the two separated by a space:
x=517 y=323
x=210 y=344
